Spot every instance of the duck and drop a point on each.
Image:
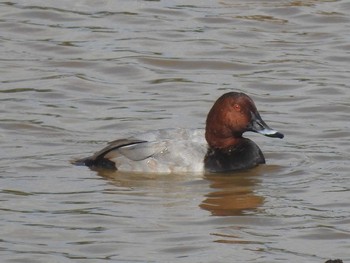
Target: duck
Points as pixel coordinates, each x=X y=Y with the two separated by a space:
x=219 y=148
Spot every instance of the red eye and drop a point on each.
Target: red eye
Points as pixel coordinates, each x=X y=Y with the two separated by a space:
x=237 y=107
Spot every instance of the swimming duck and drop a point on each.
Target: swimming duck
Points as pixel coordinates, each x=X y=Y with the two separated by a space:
x=220 y=148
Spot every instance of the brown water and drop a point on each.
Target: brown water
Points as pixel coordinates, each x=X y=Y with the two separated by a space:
x=76 y=74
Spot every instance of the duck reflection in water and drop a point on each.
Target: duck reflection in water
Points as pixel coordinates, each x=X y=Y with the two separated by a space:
x=232 y=195
x=228 y=195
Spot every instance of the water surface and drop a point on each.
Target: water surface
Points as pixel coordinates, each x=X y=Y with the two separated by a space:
x=77 y=74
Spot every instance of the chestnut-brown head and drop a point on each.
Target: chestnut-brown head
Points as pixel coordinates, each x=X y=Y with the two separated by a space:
x=231 y=115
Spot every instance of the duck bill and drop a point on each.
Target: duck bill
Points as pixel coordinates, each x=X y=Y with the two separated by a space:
x=259 y=126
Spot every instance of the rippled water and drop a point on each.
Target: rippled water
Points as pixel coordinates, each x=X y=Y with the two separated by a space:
x=76 y=74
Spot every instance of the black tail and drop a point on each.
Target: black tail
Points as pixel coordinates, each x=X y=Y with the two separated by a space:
x=98 y=160
x=95 y=163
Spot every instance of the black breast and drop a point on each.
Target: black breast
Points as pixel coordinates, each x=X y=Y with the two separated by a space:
x=242 y=156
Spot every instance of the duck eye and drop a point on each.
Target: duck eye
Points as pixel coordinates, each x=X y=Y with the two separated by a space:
x=237 y=107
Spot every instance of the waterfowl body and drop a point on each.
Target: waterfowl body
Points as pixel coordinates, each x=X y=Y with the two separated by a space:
x=219 y=148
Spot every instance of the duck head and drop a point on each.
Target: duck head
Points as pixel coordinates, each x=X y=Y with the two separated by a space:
x=231 y=115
